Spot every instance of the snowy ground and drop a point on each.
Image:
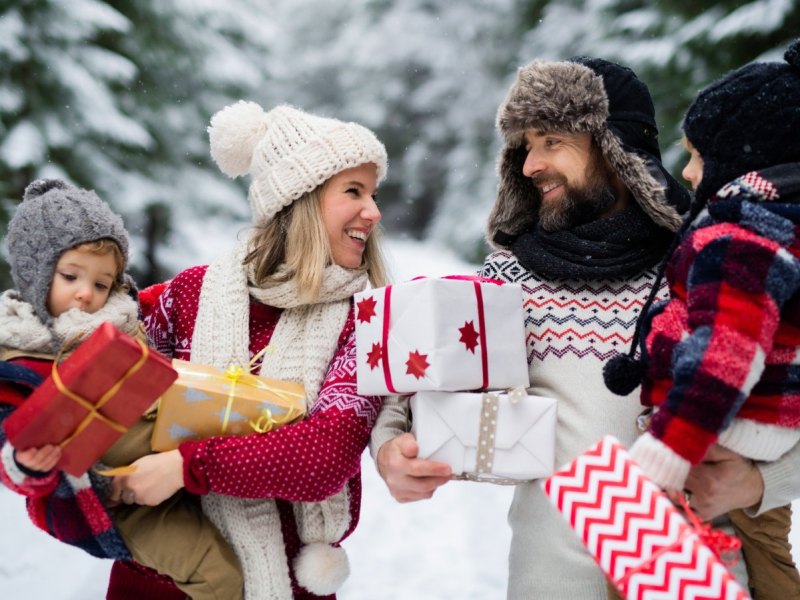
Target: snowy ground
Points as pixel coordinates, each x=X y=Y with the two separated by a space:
x=453 y=546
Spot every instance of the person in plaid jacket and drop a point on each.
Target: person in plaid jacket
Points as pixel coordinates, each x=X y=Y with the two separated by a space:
x=719 y=355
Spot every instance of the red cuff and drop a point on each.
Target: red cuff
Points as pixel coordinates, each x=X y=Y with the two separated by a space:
x=194 y=474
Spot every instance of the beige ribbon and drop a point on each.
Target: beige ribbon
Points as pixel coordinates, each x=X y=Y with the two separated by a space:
x=484 y=460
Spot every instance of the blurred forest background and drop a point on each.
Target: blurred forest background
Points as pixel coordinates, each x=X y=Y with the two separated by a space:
x=116 y=95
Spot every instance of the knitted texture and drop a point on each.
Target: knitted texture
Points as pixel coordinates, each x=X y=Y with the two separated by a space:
x=724 y=347
x=287 y=152
x=306 y=462
x=303 y=343
x=582 y=95
x=54 y=217
x=71 y=509
x=21 y=329
x=572 y=328
x=747 y=120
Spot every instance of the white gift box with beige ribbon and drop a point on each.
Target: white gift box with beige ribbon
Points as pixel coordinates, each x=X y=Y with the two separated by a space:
x=446 y=334
x=500 y=437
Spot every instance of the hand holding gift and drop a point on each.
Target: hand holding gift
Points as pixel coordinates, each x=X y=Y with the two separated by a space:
x=91 y=398
x=641 y=541
x=502 y=437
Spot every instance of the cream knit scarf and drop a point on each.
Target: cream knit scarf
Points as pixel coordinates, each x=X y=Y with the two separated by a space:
x=303 y=344
x=21 y=330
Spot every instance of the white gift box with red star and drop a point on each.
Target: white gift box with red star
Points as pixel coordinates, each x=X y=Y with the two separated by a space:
x=441 y=334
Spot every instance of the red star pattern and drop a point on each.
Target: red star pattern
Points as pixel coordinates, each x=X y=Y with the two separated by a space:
x=366 y=309
x=374 y=356
x=469 y=337
x=417 y=364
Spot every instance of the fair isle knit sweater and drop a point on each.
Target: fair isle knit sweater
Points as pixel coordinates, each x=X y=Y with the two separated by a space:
x=572 y=328
x=722 y=352
x=305 y=462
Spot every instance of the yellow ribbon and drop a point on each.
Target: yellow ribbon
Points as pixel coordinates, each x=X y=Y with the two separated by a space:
x=94 y=409
x=238 y=375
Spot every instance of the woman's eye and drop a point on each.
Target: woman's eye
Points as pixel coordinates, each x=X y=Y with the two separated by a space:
x=352 y=190
x=68 y=276
x=101 y=286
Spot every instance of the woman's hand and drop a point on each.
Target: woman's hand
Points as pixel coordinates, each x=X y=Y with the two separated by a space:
x=156 y=478
x=723 y=482
x=42 y=459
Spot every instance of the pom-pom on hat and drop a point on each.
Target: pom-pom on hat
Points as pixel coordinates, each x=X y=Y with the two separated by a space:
x=287 y=152
x=53 y=218
x=747 y=120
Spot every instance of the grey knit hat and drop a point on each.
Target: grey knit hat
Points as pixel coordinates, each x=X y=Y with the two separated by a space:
x=54 y=217
x=287 y=152
x=590 y=95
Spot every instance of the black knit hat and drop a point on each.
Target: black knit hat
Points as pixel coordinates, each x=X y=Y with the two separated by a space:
x=748 y=120
x=591 y=95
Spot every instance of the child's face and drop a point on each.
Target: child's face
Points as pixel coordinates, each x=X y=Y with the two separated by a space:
x=81 y=280
x=693 y=171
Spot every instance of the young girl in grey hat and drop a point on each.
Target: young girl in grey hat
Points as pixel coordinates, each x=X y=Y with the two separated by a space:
x=284 y=499
x=68 y=253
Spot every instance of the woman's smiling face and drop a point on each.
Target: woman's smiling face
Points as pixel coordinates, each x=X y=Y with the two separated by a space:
x=350 y=213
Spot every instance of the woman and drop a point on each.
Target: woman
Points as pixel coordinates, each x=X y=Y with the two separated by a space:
x=282 y=498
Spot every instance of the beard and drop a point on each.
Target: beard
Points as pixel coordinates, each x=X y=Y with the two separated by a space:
x=578 y=204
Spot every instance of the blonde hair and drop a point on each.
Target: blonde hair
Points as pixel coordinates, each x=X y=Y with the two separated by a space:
x=297 y=239
x=103 y=247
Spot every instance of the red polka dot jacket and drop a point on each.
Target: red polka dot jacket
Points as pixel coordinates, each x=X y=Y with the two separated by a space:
x=305 y=462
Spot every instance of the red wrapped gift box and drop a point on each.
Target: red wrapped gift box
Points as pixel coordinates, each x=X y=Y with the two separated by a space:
x=99 y=391
x=638 y=537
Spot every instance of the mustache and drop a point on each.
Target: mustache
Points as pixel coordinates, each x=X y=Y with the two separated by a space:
x=544 y=178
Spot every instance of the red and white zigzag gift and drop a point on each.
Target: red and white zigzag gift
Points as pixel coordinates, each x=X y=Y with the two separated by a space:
x=641 y=541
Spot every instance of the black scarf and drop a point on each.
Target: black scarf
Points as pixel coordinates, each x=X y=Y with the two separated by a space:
x=619 y=246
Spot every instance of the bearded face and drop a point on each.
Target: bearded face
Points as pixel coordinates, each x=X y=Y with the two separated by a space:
x=583 y=199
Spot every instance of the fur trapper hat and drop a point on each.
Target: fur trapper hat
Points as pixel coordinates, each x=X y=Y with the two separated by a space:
x=53 y=218
x=591 y=95
x=747 y=120
x=287 y=152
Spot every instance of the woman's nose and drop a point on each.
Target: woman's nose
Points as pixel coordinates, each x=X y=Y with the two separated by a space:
x=371 y=212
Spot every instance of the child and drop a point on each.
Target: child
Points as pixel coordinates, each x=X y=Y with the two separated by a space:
x=720 y=353
x=68 y=253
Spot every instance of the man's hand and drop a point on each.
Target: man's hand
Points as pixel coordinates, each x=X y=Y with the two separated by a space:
x=723 y=481
x=410 y=478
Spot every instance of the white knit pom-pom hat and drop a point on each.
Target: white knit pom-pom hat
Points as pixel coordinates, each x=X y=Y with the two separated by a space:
x=287 y=152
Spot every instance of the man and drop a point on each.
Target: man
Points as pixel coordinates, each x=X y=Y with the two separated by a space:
x=584 y=213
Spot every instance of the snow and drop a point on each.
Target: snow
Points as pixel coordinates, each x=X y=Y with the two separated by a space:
x=452 y=546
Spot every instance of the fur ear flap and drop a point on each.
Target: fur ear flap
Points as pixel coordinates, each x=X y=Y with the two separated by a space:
x=517 y=201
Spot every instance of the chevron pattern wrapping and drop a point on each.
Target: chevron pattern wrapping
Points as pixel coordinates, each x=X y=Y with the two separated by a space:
x=641 y=541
